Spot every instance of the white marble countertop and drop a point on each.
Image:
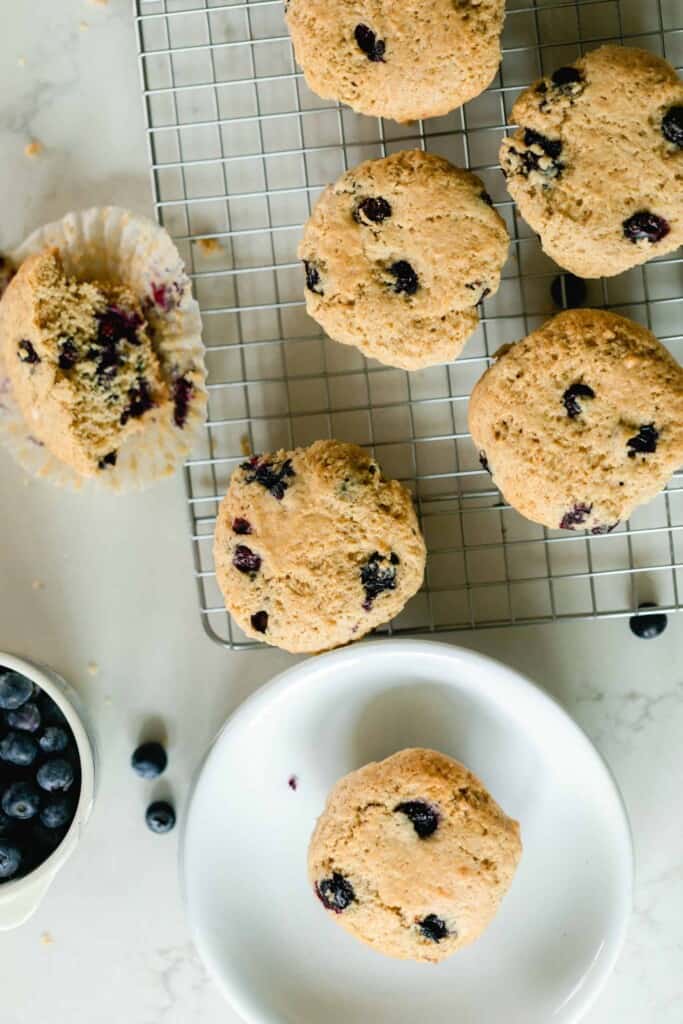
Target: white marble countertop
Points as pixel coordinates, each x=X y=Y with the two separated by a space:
x=109 y=580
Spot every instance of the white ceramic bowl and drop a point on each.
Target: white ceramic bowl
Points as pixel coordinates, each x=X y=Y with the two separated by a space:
x=275 y=953
x=21 y=898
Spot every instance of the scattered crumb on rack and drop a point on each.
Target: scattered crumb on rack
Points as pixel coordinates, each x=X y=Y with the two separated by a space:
x=33 y=149
x=245 y=445
x=209 y=246
x=38 y=584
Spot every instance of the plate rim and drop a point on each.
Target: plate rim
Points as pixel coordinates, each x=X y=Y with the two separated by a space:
x=242 y=1001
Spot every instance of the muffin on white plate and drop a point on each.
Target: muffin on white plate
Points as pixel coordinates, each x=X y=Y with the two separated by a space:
x=101 y=360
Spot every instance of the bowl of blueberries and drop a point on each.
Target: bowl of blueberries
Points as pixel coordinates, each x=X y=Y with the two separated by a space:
x=47 y=783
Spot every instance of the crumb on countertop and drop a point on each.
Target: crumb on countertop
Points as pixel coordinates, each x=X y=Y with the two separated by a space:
x=32 y=149
x=46 y=938
x=93 y=668
x=98 y=3
x=83 y=26
x=21 y=61
x=209 y=246
x=38 y=584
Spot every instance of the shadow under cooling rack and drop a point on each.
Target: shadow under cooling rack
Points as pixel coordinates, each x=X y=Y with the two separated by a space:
x=240 y=151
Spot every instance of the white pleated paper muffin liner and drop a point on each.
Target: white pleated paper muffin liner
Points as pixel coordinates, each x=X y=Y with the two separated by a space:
x=110 y=244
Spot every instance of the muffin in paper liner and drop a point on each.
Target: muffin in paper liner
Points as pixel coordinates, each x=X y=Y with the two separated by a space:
x=113 y=246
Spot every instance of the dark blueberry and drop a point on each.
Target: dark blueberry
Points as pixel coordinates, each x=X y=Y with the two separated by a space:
x=564 y=78
x=576 y=516
x=26 y=718
x=149 y=760
x=15 y=689
x=160 y=817
x=313 y=278
x=571 y=396
x=645 y=441
x=432 y=927
x=57 y=813
x=372 y=208
x=10 y=861
x=107 y=460
x=271 y=475
x=486 y=198
x=27 y=353
x=650 y=625
x=551 y=147
x=672 y=126
x=484 y=462
x=139 y=402
x=54 y=740
x=259 y=621
x=241 y=526
x=335 y=893
x=372 y=47
x=377 y=575
x=18 y=748
x=568 y=292
x=646 y=225
x=406 y=278
x=425 y=819
x=68 y=355
x=55 y=775
x=182 y=393
x=245 y=560
x=116 y=324
x=21 y=800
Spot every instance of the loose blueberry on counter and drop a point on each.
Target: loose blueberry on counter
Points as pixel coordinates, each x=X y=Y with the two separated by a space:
x=425 y=819
x=571 y=396
x=182 y=393
x=57 y=813
x=645 y=441
x=55 y=775
x=376 y=577
x=335 y=893
x=259 y=621
x=107 y=460
x=650 y=625
x=407 y=281
x=10 y=860
x=270 y=475
x=19 y=749
x=646 y=226
x=27 y=717
x=241 y=526
x=149 y=760
x=576 y=516
x=27 y=353
x=21 y=800
x=54 y=740
x=367 y=41
x=15 y=689
x=568 y=291
x=672 y=126
x=372 y=208
x=245 y=560
x=433 y=928
x=313 y=278
x=160 y=817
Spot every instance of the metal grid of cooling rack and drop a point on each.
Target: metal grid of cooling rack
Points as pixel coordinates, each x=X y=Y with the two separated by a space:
x=240 y=150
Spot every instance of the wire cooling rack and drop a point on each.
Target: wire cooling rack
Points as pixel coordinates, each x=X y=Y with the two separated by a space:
x=240 y=150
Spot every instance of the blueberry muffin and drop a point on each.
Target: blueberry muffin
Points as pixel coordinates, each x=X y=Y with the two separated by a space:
x=596 y=164
x=582 y=421
x=397 y=254
x=81 y=363
x=403 y=61
x=413 y=856
x=314 y=548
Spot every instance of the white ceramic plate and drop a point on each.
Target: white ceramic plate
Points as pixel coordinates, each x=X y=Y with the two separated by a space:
x=266 y=939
